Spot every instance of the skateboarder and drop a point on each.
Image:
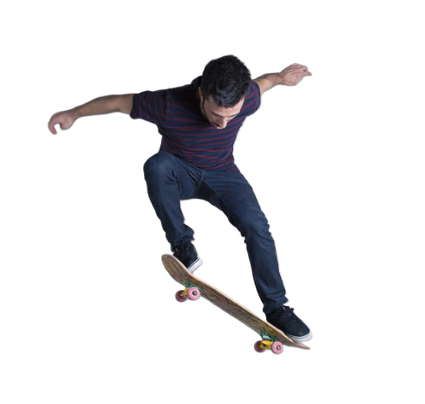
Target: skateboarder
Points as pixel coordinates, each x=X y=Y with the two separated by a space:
x=199 y=123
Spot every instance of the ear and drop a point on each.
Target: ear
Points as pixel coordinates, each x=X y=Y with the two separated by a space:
x=200 y=93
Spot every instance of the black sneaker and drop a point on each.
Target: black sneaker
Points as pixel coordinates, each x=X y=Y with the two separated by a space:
x=285 y=319
x=187 y=255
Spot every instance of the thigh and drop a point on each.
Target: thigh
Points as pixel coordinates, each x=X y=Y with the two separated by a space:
x=164 y=170
x=231 y=193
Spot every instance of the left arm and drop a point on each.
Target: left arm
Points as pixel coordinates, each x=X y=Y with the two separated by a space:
x=290 y=76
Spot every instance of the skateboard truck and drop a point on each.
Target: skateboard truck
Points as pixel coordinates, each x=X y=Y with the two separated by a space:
x=192 y=292
x=268 y=342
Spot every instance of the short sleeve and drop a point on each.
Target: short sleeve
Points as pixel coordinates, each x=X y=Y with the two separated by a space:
x=150 y=106
x=252 y=100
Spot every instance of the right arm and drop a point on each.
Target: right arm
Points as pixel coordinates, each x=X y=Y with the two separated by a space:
x=98 y=106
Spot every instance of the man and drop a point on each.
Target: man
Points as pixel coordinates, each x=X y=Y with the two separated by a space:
x=199 y=123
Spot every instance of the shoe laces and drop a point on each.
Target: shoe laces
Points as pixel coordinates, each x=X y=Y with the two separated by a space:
x=288 y=315
x=288 y=310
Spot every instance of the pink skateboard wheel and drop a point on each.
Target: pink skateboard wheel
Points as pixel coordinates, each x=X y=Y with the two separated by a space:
x=277 y=348
x=257 y=347
x=179 y=299
x=193 y=293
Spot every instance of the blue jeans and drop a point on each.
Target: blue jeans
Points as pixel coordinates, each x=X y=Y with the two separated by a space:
x=170 y=180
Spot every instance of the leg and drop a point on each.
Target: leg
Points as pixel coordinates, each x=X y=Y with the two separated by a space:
x=230 y=192
x=170 y=180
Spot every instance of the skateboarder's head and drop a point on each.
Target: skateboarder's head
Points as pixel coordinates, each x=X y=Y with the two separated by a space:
x=226 y=80
x=224 y=85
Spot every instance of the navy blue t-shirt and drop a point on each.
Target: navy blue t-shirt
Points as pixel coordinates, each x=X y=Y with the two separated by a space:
x=186 y=133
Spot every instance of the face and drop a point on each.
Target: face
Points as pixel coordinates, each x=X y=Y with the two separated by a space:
x=216 y=115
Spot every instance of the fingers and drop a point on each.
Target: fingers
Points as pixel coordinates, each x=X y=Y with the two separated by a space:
x=51 y=126
x=296 y=66
x=296 y=71
x=61 y=119
x=303 y=69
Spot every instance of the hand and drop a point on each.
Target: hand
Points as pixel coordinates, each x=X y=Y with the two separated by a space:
x=65 y=119
x=293 y=74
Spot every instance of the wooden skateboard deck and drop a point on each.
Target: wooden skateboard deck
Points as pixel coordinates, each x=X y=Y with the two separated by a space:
x=271 y=337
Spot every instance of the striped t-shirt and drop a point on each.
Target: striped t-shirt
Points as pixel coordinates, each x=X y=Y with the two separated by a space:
x=186 y=133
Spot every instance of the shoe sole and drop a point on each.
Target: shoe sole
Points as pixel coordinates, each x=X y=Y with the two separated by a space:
x=195 y=265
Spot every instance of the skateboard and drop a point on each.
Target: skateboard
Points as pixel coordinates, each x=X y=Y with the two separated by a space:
x=271 y=338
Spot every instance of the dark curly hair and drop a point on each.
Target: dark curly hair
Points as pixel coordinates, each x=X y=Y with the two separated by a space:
x=226 y=80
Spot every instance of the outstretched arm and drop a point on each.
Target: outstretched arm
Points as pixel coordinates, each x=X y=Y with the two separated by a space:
x=290 y=76
x=103 y=105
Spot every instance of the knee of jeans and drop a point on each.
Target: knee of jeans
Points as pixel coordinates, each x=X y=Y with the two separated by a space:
x=158 y=165
x=255 y=227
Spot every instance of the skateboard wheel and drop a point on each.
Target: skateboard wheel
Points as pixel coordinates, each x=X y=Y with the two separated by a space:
x=257 y=347
x=277 y=347
x=193 y=293
x=180 y=298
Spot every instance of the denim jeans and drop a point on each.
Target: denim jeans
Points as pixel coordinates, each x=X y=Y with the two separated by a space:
x=170 y=180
